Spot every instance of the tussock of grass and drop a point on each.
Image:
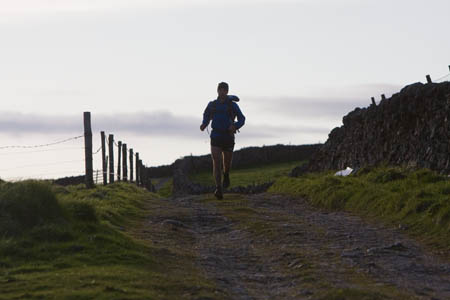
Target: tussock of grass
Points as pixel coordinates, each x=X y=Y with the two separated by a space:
x=24 y=205
x=420 y=200
x=73 y=243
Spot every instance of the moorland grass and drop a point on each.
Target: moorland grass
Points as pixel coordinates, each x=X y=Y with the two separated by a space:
x=417 y=200
x=73 y=243
x=249 y=176
x=24 y=205
x=167 y=189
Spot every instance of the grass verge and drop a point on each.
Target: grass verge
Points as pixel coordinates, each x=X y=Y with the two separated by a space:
x=73 y=243
x=416 y=200
x=166 y=189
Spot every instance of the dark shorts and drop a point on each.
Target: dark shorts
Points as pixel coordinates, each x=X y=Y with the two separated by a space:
x=225 y=143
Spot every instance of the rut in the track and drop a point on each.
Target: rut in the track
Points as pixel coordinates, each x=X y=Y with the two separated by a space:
x=226 y=255
x=275 y=247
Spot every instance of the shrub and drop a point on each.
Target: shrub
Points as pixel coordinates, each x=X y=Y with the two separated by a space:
x=26 y=204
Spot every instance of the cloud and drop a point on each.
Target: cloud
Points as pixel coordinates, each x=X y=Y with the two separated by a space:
x=305 y=108
x=20 y=7
x=158 y=124
x=277 y=118
x=330 y=108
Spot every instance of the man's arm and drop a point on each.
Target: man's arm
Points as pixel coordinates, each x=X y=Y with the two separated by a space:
x=240 y=117
x=206 y=117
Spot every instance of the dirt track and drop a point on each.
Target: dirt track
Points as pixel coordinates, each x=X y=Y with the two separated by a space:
x=275 y=247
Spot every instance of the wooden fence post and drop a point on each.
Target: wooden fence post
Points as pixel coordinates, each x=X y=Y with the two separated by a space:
x=131 y=165
x=373 y=101
x=124 y=162
x=383 y=97
x=119 y=165
x=138 y=178
x=111 y=158
x=143 y=175
x=104 y=163
x=89 y=179
x=429 y=79
x=107 y=160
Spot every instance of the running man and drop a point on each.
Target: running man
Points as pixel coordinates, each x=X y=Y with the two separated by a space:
x=222 y=112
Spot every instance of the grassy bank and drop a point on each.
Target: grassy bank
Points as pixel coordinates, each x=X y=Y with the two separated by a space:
x=249 y=176
x=418 y=201
x=73 y=243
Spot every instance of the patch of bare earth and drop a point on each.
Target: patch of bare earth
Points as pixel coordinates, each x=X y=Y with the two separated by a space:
x=275 y=247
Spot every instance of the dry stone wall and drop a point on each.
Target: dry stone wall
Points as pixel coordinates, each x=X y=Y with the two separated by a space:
x=412 y=128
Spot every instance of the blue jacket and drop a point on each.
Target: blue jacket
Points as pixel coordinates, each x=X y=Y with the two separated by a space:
x=221 y=120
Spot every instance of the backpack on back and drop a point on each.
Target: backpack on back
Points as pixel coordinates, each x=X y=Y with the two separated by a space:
x=230 y=111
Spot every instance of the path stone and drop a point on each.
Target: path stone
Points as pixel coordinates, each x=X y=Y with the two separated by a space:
x=275 y=247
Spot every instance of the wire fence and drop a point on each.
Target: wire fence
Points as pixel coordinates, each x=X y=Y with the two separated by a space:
x=42 y=145
x=107 y=154
x=56 y=168
x=443 y=78
x=42 y=160
x=440 y=79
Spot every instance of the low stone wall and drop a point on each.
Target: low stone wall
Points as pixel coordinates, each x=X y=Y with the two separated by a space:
x=250 y=157
x=73 y=180
x=247 y=157
x=160 y=171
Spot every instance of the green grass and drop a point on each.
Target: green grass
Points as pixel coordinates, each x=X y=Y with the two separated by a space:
x=25 y=205
x=249 y=176
x=349 y=294
x=167 y=189
x=419 y=200
x=73 y=243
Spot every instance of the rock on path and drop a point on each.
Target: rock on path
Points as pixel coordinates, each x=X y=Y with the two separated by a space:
x=276 y=247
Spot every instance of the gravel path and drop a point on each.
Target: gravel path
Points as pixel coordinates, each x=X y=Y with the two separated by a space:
x=276 y=247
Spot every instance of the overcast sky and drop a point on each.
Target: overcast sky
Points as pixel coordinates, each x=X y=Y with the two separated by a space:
x=147 y=69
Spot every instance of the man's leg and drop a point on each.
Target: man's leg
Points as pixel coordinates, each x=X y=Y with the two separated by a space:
x=216 y=154
x=227 y=159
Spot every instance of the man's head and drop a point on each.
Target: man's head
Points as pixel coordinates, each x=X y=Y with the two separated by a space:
x=222 y=89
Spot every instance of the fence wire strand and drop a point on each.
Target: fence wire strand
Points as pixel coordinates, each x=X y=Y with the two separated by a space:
x=40 y=175
x=443 y=77
x=40 y=151
x=42 y=145
x=117 y=145
x=44 y=164
x=97 y=151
